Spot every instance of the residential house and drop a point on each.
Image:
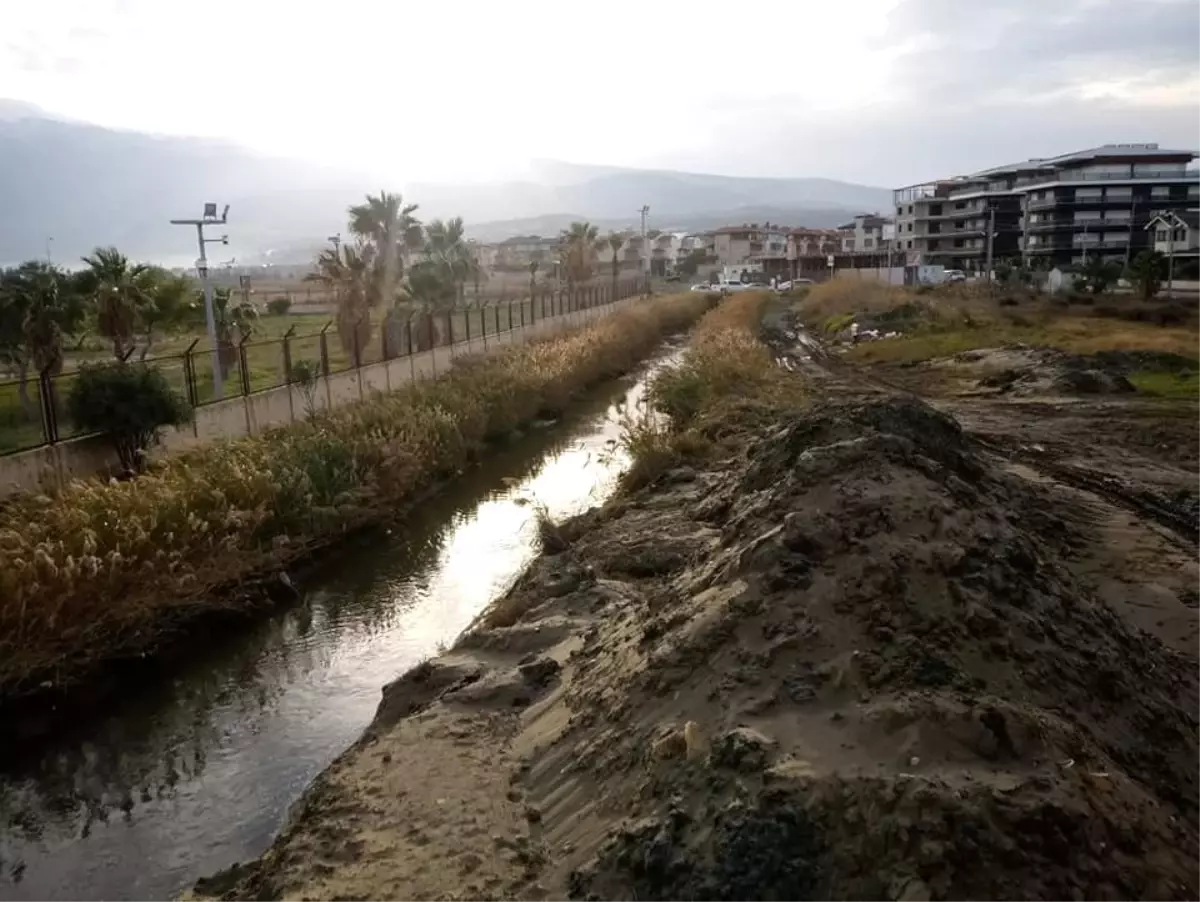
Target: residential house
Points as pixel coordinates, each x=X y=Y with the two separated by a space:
x=1176 y=233
x=868 y=233
x=747 y=244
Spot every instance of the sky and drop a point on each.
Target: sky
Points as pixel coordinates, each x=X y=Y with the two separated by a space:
x=883 y=92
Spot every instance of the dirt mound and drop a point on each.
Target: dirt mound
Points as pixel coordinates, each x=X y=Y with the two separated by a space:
x=852 y=661
x=1043 y=371
x=942 y=710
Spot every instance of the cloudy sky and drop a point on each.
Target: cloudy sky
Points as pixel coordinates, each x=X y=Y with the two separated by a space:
x=878 y=91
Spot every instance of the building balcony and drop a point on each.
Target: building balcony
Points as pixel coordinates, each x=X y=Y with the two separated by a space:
x=1075 y=176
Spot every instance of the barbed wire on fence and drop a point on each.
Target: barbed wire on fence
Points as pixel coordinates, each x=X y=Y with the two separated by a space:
x=33 y=406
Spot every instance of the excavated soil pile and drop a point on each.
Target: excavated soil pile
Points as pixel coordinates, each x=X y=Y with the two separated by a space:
x=1024 y=371
x=906 y=692
x=852 y=663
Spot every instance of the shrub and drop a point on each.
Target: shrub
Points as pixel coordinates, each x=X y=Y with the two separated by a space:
x=100 y=564
x=279 y=306
x=305 y=374
x=129 y=404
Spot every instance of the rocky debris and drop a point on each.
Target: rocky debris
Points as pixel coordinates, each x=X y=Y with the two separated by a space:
x=419 y=687
x=741 y=749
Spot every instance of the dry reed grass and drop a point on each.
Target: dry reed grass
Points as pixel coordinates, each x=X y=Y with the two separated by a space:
x=95 y=569
x=727 y=379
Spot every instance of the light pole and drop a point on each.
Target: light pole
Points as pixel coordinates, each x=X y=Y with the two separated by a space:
x=49 y=244
x=645 y=211
x=209 y=218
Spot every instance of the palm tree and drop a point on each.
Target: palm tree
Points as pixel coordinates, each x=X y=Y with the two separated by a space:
x=447 y=249
x=577 y=245
x=119 y=289
x=39 y=306
x=170 y=300
x=389 y=226
x=351 y=272
x=615 y=241
x=234 y=322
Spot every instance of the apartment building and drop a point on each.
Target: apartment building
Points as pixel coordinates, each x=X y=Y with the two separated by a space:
x=1057 y=210
x=747 y=244
x=868 y=233
x=814 y=242
x=518 y=252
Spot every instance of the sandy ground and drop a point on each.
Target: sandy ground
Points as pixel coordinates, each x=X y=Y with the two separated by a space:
x=895 y=649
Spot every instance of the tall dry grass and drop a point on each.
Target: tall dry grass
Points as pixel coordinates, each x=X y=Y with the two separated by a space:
x=727 y=380
x=99 y=566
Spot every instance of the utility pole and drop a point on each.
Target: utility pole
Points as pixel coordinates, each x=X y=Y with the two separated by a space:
x=209 y=218
x=49 y=242
x=645 y=211
x=1174 y=220
x=991 y=243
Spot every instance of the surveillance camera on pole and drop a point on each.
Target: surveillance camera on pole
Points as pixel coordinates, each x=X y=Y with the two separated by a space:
x=209 y=218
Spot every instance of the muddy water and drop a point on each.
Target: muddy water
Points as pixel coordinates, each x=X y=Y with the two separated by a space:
x=195 y=766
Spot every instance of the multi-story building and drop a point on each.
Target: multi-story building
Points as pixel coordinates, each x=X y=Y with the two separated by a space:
x=1058 y=210
x=747 y=244
x=518 y=252
x=814 y=243
x=869 y=233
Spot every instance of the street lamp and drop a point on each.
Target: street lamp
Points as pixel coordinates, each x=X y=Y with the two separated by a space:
x=209 y=218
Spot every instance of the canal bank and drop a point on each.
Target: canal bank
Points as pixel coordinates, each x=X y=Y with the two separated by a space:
x=194 y=770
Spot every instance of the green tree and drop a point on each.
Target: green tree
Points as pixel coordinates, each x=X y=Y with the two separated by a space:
x=388 y=225
x=447 y=249
x=39 y=307
x=1097 y=275
x=431 y=285
x=616 y=241
x=170 y=301
x=1146 y=272
x=350 y=272
x=234 y=321
x=128 y=403
x=577 y=248
x=119 y=289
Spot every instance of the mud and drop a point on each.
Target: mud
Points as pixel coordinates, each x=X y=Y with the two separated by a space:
x=870 y=656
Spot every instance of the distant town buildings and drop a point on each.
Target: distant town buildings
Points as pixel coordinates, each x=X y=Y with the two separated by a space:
x=1053 y=211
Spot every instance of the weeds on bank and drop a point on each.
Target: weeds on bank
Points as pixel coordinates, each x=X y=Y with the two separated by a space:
x=946 y=320
x=101 y=564
x=726 y=377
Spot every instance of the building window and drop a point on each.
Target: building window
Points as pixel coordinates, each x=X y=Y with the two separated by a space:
x=899 y=211
x=910 y=209
x=1193 y=192
x=1180 y=235
x=868 y=242
x=1160 y=234
x=1088 y=195
x=1160 y=192
x=1087 y=215
x=1116 y=216
x=1118 y=194
x=908 y=245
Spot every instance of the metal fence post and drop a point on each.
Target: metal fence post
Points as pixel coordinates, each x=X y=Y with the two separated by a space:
x=325 y=350
x=243 y=365
x=189 y=375
x=287 y=355
x=49 y=413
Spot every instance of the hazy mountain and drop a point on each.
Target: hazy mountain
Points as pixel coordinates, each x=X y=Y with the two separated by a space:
x=84 y=186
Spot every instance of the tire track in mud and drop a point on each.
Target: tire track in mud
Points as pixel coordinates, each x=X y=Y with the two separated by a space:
x=801 y=352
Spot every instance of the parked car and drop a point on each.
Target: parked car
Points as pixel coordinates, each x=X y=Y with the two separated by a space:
x=788 y=285
x=702 y=286
x=955 y=275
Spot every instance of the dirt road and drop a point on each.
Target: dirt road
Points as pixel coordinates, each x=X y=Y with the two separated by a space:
x=896 y=648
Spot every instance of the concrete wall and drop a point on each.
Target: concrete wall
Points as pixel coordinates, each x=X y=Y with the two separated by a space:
x=51 y=466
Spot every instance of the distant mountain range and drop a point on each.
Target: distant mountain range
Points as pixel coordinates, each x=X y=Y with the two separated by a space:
x=82 y=186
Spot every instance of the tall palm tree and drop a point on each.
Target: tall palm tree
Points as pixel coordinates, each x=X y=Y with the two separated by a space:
x=389 y=226
x=119 y=288
x=234 y=321
x=577 y=246
x=615 y=241
x=447 y=249
x=352 y=274
x=39 y=306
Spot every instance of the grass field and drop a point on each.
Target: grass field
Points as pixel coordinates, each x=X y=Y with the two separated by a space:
x=21 y=424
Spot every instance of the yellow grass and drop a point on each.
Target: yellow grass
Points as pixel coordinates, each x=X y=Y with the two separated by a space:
x=101 y=565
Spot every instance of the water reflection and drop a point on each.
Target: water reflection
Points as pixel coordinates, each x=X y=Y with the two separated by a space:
x=194 y=767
